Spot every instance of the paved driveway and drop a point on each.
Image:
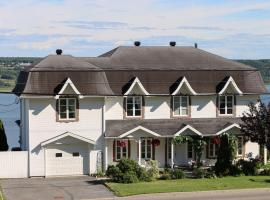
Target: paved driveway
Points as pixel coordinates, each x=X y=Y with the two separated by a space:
x=60 y=188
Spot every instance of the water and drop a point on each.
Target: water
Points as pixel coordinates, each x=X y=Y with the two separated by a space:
x=9 y=113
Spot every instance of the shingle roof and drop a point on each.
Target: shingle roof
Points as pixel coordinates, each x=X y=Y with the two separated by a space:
x=157 y=68
x=168 y=127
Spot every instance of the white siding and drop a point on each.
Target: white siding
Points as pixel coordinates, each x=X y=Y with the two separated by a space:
x=252 y=147
x=203 y=106
x=114 y=108
x=43 y=126
x=14 y=164
x=242 y=103
x=157 y=107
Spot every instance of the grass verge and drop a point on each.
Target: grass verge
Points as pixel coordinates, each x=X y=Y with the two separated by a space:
x=190 y=185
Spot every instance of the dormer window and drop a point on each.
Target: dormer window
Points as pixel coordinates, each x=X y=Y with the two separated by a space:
x=180 y=106
x=67 y=108
x=134 y=106
x=226 y=105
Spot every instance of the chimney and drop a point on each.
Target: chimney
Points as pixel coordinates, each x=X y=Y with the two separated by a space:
x=59 y=51
x=196 y=45
x=137 y=43
x=172 y=43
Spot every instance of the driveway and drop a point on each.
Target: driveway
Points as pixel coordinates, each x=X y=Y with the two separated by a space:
x=60 y=188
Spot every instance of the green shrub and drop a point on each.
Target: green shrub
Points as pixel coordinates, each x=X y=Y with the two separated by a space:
x=142 y=174
x=265 y=172
x=199 y=172
x=129 y=177
x=165 y=176
x=152 y=169
x=114 y=173
x=210 y=174
x=178 y=174
x=235 y=170
x=249 y=167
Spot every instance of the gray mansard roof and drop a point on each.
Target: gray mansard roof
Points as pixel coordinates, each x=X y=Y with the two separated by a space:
x=159 y=69
x=169 y=127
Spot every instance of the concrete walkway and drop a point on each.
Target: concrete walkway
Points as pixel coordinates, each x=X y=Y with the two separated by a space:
x=71 y=188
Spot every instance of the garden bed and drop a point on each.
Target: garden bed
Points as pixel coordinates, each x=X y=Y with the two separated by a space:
x=189 y=185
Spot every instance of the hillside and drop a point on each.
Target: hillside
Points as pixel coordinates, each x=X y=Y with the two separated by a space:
x=11 y=66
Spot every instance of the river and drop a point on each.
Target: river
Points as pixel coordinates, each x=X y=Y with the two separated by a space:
x=10 y=112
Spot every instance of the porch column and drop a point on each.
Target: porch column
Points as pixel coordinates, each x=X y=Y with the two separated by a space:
x=172 y=154
x=264 y=155
x=140 y=150
x=106 y=155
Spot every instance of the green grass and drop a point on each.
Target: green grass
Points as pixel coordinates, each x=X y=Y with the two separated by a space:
x=190 y=185
x=6 y=89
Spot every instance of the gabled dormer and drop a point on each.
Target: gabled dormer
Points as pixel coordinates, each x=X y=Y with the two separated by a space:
x=229 y=86
x=68 y=88
x=136 y=88
x=183 y=87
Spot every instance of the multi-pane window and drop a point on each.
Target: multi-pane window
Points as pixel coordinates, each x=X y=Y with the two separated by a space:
x=67 y=108
x=189 y=150
x=134 y=106
x=146 y=148
x=240 y=145
x=180 y=106
x=121 y=149
x=226 y=105
x=212 y=149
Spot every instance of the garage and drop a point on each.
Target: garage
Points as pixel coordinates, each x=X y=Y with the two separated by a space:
x=68 y=155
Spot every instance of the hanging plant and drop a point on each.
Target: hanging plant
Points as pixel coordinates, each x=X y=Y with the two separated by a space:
x=156 y=142
x=181 y=139
x=216 y=140
x=122 y=143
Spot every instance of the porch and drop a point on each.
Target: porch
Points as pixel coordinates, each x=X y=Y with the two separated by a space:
x=144 y=140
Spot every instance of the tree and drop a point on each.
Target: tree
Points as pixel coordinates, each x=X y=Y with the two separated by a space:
x=3 y=138
x=226 y=155
x=256 y=124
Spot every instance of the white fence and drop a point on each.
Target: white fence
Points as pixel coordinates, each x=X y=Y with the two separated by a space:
x=14 y=164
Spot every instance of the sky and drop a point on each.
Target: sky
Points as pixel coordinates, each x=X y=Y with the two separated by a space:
x=236 y=29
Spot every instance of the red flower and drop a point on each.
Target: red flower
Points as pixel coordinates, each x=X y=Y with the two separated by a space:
x=122 y=143
x=216 y=140
x=156 y=142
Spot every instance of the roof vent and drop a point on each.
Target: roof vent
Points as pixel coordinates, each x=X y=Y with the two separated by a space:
x=59 y=51
x=172 y=43
x=196 y=45
x=137 y=43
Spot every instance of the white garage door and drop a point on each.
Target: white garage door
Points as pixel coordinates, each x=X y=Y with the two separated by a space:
x=67 y=159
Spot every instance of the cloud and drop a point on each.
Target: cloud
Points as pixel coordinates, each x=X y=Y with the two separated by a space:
x=207 y=28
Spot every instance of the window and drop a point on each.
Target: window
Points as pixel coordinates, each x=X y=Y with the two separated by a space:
x=169 y=148
x=212 y=149
x=240 y=145
x=226 y=105
x=121 y=147
x=134 y=106
x=75 y=154
x=180 y=106
x=57 y=155
x=146 y=148
x=189 y=150
x=67 y=109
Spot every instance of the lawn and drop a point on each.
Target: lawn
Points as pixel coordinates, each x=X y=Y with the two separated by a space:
x=190 y=185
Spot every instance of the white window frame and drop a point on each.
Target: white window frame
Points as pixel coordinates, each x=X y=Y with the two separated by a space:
x=180 y=104
x=67 y=110
x=133 y=106
x=226 y=105
x=214 y=149
x=121 y=150
x=145 y=148
x=242 y=144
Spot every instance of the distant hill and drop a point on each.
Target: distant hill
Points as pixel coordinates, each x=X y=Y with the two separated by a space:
x=263 y=65
x=11 y=66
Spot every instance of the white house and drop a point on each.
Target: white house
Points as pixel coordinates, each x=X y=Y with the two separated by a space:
x=130 y=102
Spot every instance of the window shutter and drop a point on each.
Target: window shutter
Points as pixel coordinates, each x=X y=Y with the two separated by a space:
x=57 y=110
x=124 y=107
x=217 y=105
x=114 y=151
x=153 y=151
x=234 y=105
x=207 y=148
x=128 y=148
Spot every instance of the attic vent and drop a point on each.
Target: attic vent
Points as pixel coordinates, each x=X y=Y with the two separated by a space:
x=196 y=45
x=59 y=51
x=137 y=43
x=172 y=43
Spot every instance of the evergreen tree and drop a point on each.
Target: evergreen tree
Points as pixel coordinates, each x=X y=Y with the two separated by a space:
x=3 y=138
